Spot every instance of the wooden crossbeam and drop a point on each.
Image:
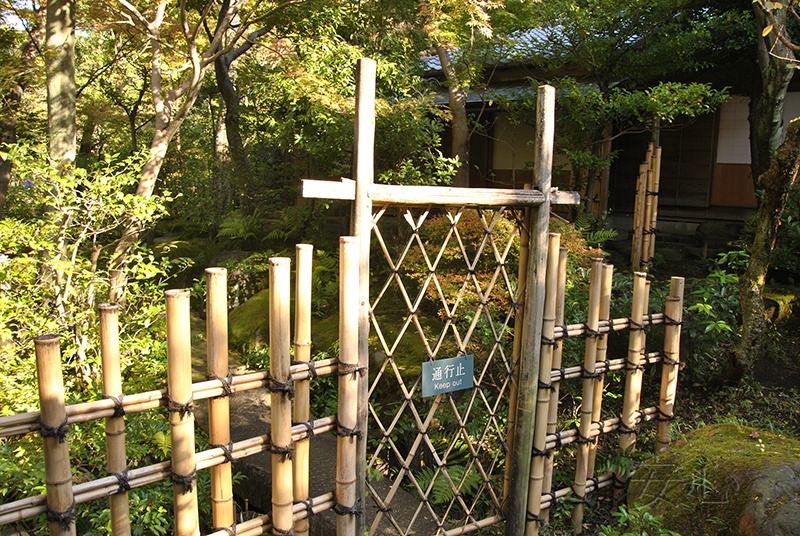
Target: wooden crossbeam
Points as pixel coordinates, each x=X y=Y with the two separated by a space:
x=440 y=195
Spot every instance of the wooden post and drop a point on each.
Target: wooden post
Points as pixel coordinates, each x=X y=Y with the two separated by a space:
x=633 y=379
x=116 y=458
x=363 y=171
x=181 y=417
x=552 y=410
x=302 y=354
x=520 y=457
x=222 y=506
x=671 y=364
x=654 y=217
x=347 y=503
x=606 y=281
x=519 y=303
x=543 y=397
x=638 y=218
x=587 y=399
x=57 y=471
x=280 y=386
x=647 y=237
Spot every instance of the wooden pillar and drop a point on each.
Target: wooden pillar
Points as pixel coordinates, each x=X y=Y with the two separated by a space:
x=57 y=471
x=656 y=186
x=222 y=506
x=181 y=416
x=363 y=172
x=280 y=385
x=302 y=354
x=520 y=457
x=606 y=281
x=347 y=502
x=116 y=458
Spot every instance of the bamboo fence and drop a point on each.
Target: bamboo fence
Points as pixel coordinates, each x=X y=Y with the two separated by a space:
x=645 y=213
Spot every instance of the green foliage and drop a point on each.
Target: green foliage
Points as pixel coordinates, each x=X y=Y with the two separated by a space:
x=636 y=521
x=442 y=491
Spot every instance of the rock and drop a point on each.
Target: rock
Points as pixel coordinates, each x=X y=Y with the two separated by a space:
x=724 y=479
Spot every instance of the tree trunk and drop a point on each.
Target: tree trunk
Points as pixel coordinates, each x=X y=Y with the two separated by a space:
x=61 y=89
x=774 y=174
x=457 y=96
x=776 y=183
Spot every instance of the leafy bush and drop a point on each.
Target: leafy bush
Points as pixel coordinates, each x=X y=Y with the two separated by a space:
x=636 y=521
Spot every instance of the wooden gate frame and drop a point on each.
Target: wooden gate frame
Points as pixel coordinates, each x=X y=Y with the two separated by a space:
x=364 y=192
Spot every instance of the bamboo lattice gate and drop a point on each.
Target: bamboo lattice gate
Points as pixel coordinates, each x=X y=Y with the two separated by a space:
x=456 y=272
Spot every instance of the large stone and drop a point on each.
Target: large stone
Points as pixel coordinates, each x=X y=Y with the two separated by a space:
x=726 y=480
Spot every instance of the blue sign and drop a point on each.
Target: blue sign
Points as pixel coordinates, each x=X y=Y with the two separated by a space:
x=447 y=375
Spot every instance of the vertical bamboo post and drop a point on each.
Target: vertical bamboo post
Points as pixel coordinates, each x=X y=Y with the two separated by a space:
x=346 y=500
x=647 y=236
x=540 y=452
x=587 y=399
x=302 y=354
x=633 y=379
x=528 y=372
x=222 y=506
x=280 y=386
x=519 y=304
x=116 y=458
x=671 y=364
x=638 y=218
x=552 y=410
x=363 y=171
x=656 y=184
x=57 y=471
x=181 y=417
x=602 y=350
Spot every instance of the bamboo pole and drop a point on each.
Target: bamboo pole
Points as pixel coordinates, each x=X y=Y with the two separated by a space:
x=280 y=386
x=606 y=281
x=648 y=214
x=57 y=470
x=116 y=458
x=533 y=521
x=638 y=218
x=552 y=409
x=363 y=172
x=347 y=502
x=222 y=506
x=587 y=399
x=671 y=364
x=181 y=417
x=654 y=194
x=633 y=379
x=520 y=457
x=302 y=354
x=519 y=304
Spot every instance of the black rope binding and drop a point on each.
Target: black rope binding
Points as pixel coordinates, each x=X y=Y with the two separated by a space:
x=594 y=480
x=312 y=367
x=635 y=326
x=227 y=450
x=227 y=384
x=65 y=518
x=547 y=386
x=564 y=332
x=580 y=498
x=548 y=342
x=343 y=431
x=384 y=509
x=60 y=432
x=282 y=532
x=119 y=409
x=533 y=518
x=122 y=478
x=663 y=417
x=343 y=510
x=309 y=507
x=585 y=374
x=309 y=428
x=630 y=365
x=582 y=439
x=186 y=480
x=559 y=444
x=553 y=498
x=276 y=386
x=562 y=372
x=230 y=531
x=619 y=484
x=625 y=429
x=671 y=321
x=284 y=450
x=349 y=368
x=590 y=332
x=182 y=409
x=537 y=452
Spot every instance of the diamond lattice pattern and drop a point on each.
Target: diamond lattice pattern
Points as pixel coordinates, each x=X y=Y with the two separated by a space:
x=443 y=285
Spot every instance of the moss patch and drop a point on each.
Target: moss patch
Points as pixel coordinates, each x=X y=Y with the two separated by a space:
x=703 y=485
x=248 y=324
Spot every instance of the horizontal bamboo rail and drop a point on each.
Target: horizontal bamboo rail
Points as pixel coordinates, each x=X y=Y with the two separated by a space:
x=263 y=524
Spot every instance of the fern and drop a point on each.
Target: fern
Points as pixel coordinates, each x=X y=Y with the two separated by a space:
x=442 y=491
x=594 y=230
